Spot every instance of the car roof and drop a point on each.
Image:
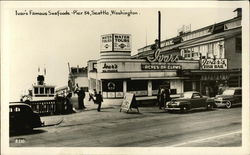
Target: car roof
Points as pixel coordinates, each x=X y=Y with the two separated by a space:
x=18 y=104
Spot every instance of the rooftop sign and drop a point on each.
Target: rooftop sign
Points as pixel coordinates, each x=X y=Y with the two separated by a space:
x=116 y=42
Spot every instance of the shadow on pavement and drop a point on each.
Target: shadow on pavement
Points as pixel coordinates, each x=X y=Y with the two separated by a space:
x=19 y=133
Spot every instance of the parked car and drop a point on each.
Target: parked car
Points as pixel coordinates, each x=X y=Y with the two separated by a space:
x=230 y=96
x=22 y=118
x=190 y=100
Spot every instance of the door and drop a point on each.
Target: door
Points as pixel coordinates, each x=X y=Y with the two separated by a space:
x=197 y=101
x=238 y=96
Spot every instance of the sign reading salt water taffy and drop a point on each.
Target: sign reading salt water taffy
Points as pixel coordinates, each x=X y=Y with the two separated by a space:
x=128 y=102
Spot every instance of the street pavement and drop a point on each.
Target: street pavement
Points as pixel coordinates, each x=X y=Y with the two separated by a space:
x=149 y=128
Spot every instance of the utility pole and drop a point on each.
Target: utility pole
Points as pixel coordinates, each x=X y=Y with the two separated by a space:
x=159 y=29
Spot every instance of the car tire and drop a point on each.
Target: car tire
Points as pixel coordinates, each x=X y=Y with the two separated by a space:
x=228 y=104
x=28 y=127
x=184 y=109
x=210 y=106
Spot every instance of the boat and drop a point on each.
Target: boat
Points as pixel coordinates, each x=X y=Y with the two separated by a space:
x=40 y=91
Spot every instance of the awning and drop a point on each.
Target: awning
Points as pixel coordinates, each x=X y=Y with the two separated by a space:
x=210 y=75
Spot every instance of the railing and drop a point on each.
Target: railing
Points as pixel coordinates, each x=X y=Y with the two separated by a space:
x=47 y=107
x=44 y=107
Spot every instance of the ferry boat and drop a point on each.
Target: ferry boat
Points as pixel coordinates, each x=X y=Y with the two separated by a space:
x=39 y=91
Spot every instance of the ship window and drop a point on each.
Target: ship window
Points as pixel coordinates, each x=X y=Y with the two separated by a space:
x=41 y=90
x=46 y=90
x=36 y=90
x=52 y=90
x=17 y=109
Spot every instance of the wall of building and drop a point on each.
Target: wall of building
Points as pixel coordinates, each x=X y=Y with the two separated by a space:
x=177 y=84
x=234 y=57
x=135 y=65
x=82 y=81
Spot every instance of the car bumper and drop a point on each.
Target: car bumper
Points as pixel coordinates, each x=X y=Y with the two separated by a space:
x=172 y=107
x=220 y=103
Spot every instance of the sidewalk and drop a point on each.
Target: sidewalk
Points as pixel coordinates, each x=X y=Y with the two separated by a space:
x=90 y=104
x=90 y=113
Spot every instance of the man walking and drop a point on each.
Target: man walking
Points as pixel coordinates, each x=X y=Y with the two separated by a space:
x=168 y=98
x=99 y=101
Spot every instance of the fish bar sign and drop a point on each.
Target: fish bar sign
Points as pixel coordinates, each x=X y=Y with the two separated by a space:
x=214 y=64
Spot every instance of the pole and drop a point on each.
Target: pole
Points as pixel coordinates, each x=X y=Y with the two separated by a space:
x=159 y=29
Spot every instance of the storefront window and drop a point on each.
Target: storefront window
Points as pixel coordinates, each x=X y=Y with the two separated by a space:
x=112 y=88
x=136 y=85
x=156 y=84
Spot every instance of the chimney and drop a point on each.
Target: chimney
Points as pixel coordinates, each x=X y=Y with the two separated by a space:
x=239 y=12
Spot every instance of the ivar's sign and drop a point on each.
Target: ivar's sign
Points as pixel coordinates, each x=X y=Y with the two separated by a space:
x=158 y=57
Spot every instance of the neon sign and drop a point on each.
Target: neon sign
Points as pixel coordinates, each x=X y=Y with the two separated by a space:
x=158 y=57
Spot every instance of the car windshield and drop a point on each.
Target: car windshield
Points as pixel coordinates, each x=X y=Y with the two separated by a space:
x=187 y=95
x=228 y=92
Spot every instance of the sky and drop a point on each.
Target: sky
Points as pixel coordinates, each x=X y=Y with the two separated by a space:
x=53 y=41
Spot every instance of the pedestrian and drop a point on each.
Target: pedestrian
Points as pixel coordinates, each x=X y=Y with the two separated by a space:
x=162 y=98
x=168 y=98
x=207 y=91
x=92 y=96
x=159 y=96
x=81 y=96
x=99 y=101
x=69 y=106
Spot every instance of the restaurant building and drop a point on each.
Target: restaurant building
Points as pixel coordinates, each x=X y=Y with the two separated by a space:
x=117 y=72
x=200 y=60
x=217 y=47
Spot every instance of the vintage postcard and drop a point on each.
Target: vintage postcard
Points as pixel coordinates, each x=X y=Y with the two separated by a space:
x=134 y=77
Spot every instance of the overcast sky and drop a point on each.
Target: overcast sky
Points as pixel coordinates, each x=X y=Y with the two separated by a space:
x=53 y=41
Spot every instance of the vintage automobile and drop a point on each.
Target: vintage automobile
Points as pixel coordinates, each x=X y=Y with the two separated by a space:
x=22 y=118
x=190 y=100
x=230 y=96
